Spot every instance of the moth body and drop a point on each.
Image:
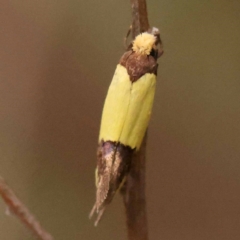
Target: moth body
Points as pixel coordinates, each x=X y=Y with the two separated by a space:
x=125 y=117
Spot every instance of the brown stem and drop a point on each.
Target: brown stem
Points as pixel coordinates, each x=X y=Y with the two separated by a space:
x=140 y=18
x=134 y=190
x=134 y=197
x=22 y=212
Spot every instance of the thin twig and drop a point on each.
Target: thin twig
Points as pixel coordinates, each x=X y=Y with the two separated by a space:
x=140 y=17
x=134 y=191
x=22 y=212
x=134 y=197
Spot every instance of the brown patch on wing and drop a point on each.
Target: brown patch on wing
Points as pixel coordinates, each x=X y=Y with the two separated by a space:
x=121 y=165
x=106 y=152
x=137 y=65
x=114 y=161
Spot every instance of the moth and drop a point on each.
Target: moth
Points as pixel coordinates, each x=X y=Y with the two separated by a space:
x=125 y=117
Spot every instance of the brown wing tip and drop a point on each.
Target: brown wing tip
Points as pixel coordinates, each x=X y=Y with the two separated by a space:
x=98 y=212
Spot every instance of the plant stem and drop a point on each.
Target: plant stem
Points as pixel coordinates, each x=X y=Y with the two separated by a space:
x=134 y=197
x=22 y=212
x=134 y=191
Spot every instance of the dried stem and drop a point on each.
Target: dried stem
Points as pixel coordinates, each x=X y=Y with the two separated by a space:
x=140 y=18
x=22 y=212
x=134 y=191
x=134 y=197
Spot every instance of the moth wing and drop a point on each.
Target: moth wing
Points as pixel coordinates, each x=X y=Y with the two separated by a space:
x=106 y=154
x=139 y=111
x=116 y=106
x=125 y=117
x=127 y=108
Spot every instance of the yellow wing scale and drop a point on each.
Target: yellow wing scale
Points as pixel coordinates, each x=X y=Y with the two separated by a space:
x=127 y=108
x=116 y=106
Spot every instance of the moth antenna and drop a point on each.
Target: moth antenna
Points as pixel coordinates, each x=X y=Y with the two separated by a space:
x=126 y=45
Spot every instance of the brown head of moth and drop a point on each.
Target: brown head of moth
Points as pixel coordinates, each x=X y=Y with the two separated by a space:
x=125 y=117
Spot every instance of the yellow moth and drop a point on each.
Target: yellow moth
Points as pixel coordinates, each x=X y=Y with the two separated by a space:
x=125 y=117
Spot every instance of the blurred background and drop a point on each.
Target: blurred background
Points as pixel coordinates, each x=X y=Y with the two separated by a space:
x=57 y=59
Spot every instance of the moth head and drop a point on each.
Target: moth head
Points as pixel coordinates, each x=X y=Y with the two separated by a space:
x=144 y=43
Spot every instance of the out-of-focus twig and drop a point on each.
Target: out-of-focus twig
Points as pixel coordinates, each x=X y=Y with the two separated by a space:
x=22 y=212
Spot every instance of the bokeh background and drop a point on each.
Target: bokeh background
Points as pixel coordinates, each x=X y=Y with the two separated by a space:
x=57 y=59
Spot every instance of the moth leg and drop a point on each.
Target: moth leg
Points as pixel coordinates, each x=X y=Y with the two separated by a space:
x=155 y=31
